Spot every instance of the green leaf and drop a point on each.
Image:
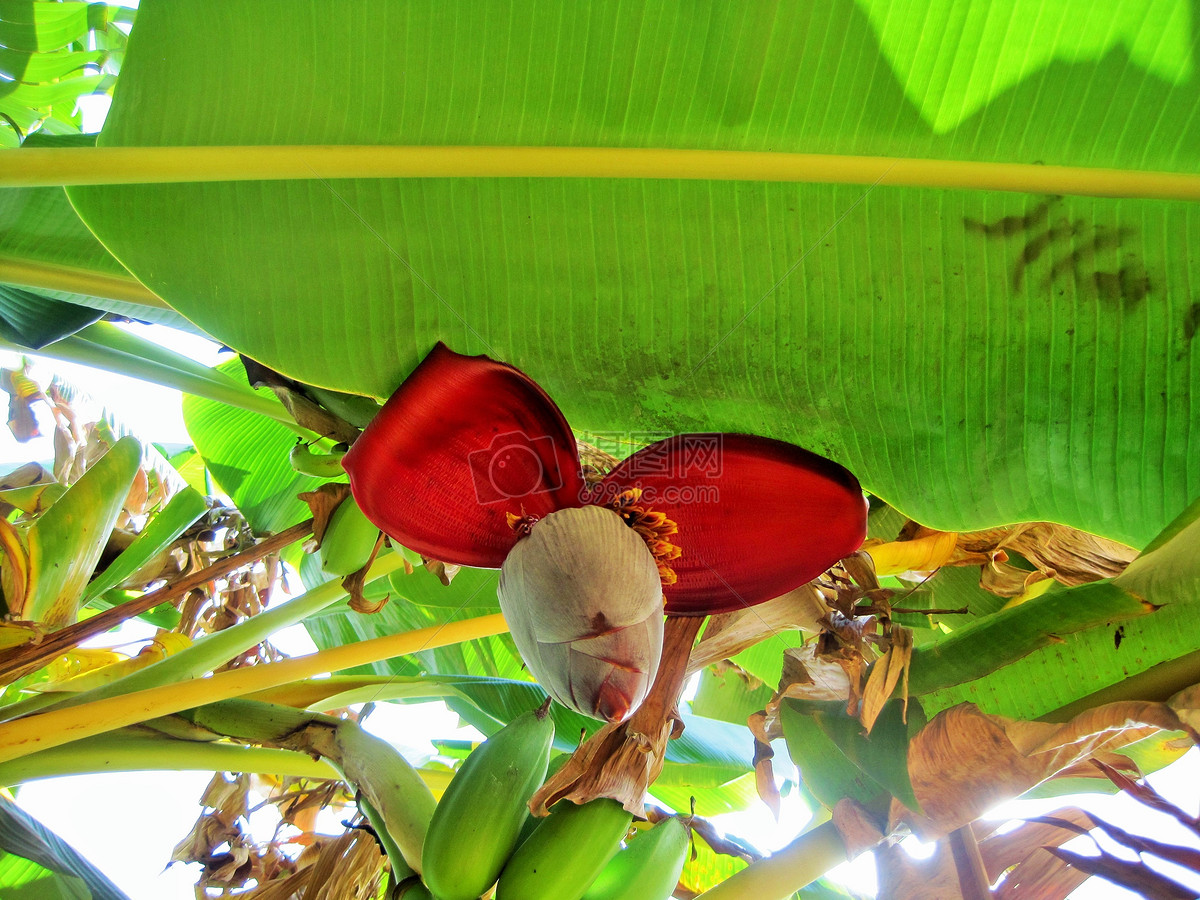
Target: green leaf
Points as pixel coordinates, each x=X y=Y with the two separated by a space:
x=882 y=754
x=473 y=588
x=920 y=336
x=677 y=791
x=728 y=696
x=247 y=455
x=40 y=231
x=33 y=321
x=37 y=26
x=1083 y=639
x=66 y=541
x=825 y=771
x=24 y=836
x=22 y=879
x=166 y=525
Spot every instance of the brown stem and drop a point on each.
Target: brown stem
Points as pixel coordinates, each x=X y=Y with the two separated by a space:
x=621 y=761
x=972 y=877
x=28 y=658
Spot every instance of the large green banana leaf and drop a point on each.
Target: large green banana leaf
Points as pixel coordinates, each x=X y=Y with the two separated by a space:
x=975 y=357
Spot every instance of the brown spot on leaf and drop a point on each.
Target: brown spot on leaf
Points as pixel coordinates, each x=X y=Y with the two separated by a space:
x=1191 y=321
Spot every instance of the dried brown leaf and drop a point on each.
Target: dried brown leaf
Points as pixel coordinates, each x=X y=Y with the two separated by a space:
x=1138 y=877
x=355 y=584
x=1040 y=876
x=443 y=572
x=902 y=877
x=1147 y=796
x=886 y=675
x=947 y=756
x=1004 y=851
x=1008 y=581
x=730 y=633
x=322 y=502
x=764 y=777
x=859 y=829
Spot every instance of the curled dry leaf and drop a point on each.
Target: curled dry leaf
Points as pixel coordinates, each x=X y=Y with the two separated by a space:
x=443 y=572
x=1001 y=852
x=1066 y=555
x=885 y=675
x=728 y=634
x=355 y=585
x=322 y=502
x=1040 y=876
x=947 y=757
x=859 y=830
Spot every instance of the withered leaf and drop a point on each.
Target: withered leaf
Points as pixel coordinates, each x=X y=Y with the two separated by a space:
x=322 y=502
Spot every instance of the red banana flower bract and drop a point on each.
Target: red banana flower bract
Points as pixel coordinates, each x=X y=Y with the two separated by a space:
x=470 y=458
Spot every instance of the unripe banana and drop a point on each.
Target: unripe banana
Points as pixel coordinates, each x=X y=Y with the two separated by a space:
x=348 y=540
x=475 y=826
x=320 y=465
x=413 y=889
x=648 y=868
x=566 y=852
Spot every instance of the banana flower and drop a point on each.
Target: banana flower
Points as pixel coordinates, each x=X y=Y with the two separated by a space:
x=470 y=462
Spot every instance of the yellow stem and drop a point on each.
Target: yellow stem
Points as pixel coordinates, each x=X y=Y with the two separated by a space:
x=778 y=876
x=35 y=274
x=157 y=165
x=61 y=726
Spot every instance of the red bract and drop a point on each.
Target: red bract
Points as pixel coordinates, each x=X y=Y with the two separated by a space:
x=471 y=463
x=467 y=444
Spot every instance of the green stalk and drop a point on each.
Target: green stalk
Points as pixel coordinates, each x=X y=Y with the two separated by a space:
x=778 y=876
x=218 y=648
x=41 y=167
x=135 y=750
x=48 y=276
x=79 y=349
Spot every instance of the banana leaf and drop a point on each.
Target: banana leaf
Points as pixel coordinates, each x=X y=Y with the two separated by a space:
x=976 y=356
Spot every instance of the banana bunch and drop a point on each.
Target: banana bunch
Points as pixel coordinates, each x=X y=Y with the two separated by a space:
x=648 y=868
x=566 y=852
x=478 y=820
x=480 y=834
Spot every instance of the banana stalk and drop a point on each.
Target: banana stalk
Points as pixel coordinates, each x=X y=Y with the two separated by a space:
x=59 y=726
x=216 y=649
x=781 y=874
x=136 y=750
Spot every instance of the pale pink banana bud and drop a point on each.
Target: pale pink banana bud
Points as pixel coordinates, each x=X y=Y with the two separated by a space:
x=583 y=598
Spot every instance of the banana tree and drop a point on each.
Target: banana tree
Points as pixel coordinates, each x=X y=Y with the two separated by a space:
x=945 y=248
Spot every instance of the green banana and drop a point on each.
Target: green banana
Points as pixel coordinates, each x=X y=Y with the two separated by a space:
x=392 y=787
x=475 y=826
x=412 y=889
x=320 y=465
x=348 y=540
x=566 y=852
x=648 y=868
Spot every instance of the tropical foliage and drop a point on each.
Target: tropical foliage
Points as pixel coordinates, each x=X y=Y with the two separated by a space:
x=946 y=246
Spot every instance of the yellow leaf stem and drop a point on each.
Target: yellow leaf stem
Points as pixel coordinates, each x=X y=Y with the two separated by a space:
x=61 y=726
x=784 y=872
x=41 y=167
x=42 y=275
